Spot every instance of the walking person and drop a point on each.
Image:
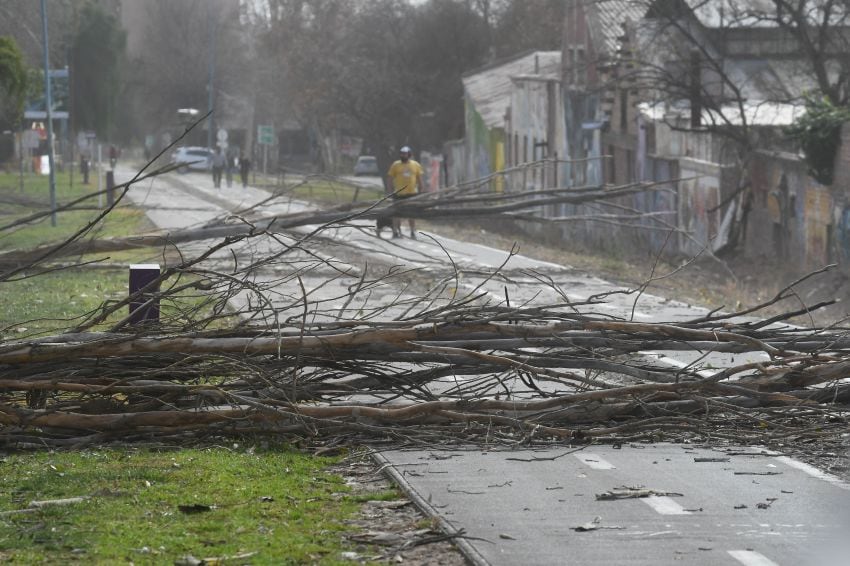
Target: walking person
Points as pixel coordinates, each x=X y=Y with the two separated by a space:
x=228 y=169
x=218 y=164
x=406 y=179
x=114 y=153
x=244 y=167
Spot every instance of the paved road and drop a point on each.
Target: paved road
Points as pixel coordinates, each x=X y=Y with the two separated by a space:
x=722 y=508
x=525 y=512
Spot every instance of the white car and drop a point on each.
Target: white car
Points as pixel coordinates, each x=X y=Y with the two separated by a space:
x=194 y=158
x=366 y=165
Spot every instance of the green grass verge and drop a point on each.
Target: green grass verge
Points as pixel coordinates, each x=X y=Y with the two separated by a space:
x=278 y=504
x=55 y=301
x=122 y=221
x=325 y=192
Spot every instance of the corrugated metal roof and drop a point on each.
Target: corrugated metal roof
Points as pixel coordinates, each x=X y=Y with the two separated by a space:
x=489 y=89
x=761 y=113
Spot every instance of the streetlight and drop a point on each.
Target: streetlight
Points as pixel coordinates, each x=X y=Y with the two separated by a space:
x=48 y=99
x=187 y=116
x=212 y=37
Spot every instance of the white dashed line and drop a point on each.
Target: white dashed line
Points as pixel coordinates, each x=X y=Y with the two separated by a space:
x=595 y=461
x=814 y=472
x=664 y=505
x=751 y=558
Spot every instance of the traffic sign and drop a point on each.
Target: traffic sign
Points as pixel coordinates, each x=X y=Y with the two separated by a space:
x=265 y=135
x=221 y=135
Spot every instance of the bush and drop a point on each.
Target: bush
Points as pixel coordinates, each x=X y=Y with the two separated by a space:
x=818 y=132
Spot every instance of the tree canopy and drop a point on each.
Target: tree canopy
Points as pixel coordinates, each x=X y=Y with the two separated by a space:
x=13 y=82
x=97 y=54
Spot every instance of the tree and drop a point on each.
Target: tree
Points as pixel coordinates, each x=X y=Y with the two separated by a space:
x=97 y=57
x=171 y=65
x=13 y=83
x=387 y=71
x=529 y=25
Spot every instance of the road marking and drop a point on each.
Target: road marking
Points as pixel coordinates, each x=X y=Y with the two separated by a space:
x=814 y=472
x=595 y=461
x=751 y=558
x=664 y=505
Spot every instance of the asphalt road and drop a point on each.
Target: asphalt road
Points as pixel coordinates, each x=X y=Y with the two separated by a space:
x=755 y=510
x=738 y=506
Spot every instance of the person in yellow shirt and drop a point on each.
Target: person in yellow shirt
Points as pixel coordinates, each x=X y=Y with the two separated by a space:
x=406 y=178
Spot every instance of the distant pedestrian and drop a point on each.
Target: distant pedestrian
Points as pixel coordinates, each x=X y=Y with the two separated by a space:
x=244 y=167
x=219 y=161
x=114 y=153
x=228 y=169
x=84 y=168
x=406 y=180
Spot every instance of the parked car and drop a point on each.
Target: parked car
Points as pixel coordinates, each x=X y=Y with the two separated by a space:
x=366 y=165
x=194 y=158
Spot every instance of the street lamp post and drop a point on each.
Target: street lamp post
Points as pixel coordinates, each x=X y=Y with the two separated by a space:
x=48 y=99
x=210 y=81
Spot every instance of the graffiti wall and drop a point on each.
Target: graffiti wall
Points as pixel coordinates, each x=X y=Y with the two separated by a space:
x=698 y=207
x=792 y=217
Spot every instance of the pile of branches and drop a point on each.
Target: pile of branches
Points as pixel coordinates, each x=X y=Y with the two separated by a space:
x=460 y=372
x=433 y=364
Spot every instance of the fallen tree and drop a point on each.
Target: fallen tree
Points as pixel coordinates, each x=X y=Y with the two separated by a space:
x=429 y=362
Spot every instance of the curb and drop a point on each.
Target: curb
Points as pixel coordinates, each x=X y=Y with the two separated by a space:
x=469 y=552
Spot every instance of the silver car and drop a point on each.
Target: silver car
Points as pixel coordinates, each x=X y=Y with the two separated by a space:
x=193 y=158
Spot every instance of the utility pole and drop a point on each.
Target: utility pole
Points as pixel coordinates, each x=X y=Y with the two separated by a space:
x=210 y=81
x=48 y=99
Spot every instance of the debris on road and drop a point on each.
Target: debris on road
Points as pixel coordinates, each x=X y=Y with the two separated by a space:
x=633 y=493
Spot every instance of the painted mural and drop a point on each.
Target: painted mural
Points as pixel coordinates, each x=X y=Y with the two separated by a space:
x=817 y=222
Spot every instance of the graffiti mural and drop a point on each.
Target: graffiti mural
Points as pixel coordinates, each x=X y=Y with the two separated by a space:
x=844 y=233
x=818 y=215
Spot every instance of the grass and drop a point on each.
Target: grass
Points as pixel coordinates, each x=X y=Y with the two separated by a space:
x=50 y=302
x=122 y=221
x=278 y=504
x=326 y=192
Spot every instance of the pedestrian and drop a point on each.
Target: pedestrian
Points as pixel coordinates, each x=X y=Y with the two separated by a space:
x=113 y=155
x=406 y=179
x=218 y=163
x=84 y=168
x=228 y=169
x=244 y=167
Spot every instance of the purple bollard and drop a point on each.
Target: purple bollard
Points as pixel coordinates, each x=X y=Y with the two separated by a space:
x=141 y=274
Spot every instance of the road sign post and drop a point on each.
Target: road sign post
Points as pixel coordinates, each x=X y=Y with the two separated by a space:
x=265 y=137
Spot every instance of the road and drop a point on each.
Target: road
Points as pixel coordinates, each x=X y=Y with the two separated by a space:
x=755 y=509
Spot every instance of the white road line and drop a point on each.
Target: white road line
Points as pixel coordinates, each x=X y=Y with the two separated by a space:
x=595 y=461
x=664 y=505
x=814 y=472
x=751 y=558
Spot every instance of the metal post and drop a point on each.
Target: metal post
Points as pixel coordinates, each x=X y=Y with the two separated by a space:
x=211 y=76
x=48 y=99
x=110 y=188
x=555 y=171
x=144 y=309
x=99 y=171
x=265 y=158
x=21 y=150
